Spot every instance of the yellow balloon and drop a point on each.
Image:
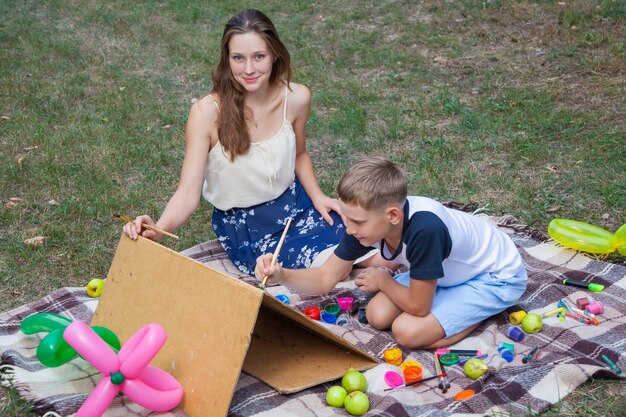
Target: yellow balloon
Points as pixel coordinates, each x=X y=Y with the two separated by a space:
x=581 y=236
x=619 y=240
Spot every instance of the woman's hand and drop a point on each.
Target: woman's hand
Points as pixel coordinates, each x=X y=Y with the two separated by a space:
x=264 y=268
x=369 y=279
x=324 y=205
x=133 y=230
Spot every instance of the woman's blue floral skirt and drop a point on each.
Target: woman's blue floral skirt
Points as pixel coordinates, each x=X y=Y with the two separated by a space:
x=247 y=233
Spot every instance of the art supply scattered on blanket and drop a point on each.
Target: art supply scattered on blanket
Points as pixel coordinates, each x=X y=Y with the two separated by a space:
x=276 y=252
x=393 y=356
x=449 y=359
x=328 y=318
x=412 y=373
x=505 y=345
x=612 y=365
x=595 y=308
x=534 y=358
x=580 y=315
x=393 y=380
x=146 y=226
x=460 y=352
x=343 y=319
x=529 y=355
x=515 y=333
x=464 y=395
x=345 y=303
x=593 y=287
x=583 y=302
x=553 y=312
x=284 y=298
x=517 y=317
x=444 y=383
x=417 y=382
x=312 y=312
x=506 y=354
x=481 y=356
x=332 y=308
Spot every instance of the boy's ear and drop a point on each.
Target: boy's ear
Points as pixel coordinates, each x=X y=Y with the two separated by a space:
x=393 y=215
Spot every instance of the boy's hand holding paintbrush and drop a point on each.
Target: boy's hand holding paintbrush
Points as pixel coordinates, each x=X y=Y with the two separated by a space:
x=266 y=264
x=265 y=270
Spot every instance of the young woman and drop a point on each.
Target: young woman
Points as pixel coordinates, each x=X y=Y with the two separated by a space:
x=245 y=153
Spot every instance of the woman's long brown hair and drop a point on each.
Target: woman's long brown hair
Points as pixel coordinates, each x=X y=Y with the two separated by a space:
x=232 y=129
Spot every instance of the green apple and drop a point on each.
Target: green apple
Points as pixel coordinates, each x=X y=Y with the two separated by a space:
x=475 y=368
x=357 y=403
x=94 y=287
x=353 y=380
x=335 y=396
x=532 y=323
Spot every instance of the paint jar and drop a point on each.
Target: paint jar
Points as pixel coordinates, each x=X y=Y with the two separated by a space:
x=506 y=354
x=362 y=317
x=343 y=320
x=393 y=356
x=515 y=333
x=284 y=298
x=328 y=318
x=345 y=303
x=595 y=308
x=412 y=373
x=312 y=312
x=409 y=363
x=393 y=379
x=582 y=303
x=505 y=345
x=516 y=318
x=332 y=308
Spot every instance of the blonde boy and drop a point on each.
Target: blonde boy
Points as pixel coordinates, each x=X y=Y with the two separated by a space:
x=462 y=269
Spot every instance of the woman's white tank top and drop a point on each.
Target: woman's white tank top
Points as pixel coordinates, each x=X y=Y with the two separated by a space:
x=260 y=175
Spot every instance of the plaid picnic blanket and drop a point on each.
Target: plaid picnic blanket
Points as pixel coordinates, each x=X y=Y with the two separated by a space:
x=570 y=351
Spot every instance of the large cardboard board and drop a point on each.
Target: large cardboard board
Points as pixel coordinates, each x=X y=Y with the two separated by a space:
x=217 y=326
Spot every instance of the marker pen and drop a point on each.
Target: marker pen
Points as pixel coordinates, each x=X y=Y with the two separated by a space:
x=593 y=287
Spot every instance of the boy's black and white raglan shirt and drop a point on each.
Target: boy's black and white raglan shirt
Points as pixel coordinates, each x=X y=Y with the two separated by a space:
x=445 y=244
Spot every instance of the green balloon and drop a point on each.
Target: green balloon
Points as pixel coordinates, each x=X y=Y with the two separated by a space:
x=43 y=322
x=53 y=350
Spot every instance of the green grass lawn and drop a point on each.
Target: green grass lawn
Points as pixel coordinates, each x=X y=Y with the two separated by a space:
x=517 y=106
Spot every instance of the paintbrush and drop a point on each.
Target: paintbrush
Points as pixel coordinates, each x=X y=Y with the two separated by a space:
x=275 y=255
x=146 y=226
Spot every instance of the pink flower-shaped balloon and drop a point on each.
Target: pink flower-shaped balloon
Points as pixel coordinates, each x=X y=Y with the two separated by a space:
x=129 y=371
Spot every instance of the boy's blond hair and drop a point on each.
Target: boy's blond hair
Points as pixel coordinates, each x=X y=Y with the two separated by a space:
x=373 y=182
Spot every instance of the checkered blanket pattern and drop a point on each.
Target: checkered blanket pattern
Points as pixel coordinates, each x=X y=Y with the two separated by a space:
x=569 y=350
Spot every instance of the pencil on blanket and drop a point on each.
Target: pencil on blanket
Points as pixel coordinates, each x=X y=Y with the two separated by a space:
x=275 y=255
x=146 y=226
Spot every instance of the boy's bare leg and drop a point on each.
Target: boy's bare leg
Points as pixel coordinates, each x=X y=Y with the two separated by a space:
x=417 y=332
x=447 y=341
x=381 y=312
